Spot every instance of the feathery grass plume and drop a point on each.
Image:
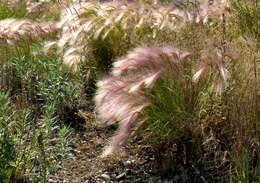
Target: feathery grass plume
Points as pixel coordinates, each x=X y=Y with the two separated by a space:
x=119 y=23
x=34 y=7
x=123 y=96
x=216 y=59
x=15 y=30
x=214 y=10
x=122 y=25
x=73 y=38
x=48 y=10
x=200 y=14
x=12 y=4
x=83 y=22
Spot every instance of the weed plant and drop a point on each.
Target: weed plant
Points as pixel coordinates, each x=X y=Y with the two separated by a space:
x=31 y=147
x=7 y=149
x=41 y=99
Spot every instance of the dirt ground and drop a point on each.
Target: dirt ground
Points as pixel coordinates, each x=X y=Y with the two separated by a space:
x=135 y=163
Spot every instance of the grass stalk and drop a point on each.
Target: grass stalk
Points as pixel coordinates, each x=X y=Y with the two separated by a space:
x=3 y=62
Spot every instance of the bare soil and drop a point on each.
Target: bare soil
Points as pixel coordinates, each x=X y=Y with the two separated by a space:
x=134 y=163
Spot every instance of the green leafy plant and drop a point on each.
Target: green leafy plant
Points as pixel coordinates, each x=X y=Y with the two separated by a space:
x=31 y=147
x=7 y=146
x=246 y=172
x=40 y=93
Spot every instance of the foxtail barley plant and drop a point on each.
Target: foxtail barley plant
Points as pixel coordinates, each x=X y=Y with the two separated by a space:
x=218 y=61
x=125 y=94
x=121 y=25
x=14 y=30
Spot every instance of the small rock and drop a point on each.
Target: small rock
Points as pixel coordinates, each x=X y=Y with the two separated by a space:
x=77 y=151
x=138 y=180
x=105 y=176
x=169 y=181
x=127 y=163
x=176 y=178
x=120 y=176
x=143 y=162
x=150 y=181
x=137 y=172
x=52 y=181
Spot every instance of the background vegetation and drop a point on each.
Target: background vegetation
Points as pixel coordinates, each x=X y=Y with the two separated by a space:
x=171 y=73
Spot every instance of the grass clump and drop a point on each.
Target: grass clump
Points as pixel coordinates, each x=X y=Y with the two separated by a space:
x=126 y=89
x=186 y=106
